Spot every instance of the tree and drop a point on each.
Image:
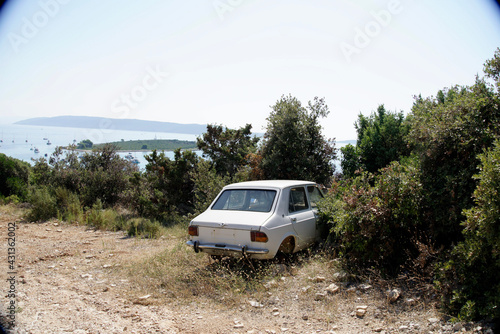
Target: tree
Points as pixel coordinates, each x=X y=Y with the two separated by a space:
x=447 y=135
x=350 y=161
x=85 y=144
x=293 y=146
x=169 y=185
x=104 y=176
x=492 y=68
x=381 y=140
x=227 y=148
x=207 y=184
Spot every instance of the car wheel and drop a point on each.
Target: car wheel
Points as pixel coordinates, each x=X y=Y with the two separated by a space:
x=287 y=246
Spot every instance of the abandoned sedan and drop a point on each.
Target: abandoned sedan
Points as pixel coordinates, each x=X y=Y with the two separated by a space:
x=257 y=219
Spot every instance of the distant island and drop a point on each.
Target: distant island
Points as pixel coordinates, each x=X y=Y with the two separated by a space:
x=115 y=124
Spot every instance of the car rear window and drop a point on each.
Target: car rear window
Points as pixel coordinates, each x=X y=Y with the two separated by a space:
x=245 y=200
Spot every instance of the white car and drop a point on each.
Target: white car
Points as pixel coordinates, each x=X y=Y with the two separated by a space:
x=256 y=219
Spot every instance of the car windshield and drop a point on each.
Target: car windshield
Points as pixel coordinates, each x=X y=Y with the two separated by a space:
x=245 y=200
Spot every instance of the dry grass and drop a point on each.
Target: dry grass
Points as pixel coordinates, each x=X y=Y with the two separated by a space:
x=180 y=277
x=183 y=276
x=14 y=210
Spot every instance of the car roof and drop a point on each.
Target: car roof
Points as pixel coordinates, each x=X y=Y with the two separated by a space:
x=280 y=184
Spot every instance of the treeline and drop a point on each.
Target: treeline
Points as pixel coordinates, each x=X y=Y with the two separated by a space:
x=417 y=195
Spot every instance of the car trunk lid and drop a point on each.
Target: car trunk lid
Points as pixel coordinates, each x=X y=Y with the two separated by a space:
x=234 y=220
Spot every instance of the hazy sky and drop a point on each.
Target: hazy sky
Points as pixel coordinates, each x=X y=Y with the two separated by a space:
x=228 y=61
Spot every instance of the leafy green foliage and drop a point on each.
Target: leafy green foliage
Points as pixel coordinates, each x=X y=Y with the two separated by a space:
x=350 y=161
x=470 y=278
x=101 y=174
x=492 y=68
x=43 y=204
x=293 y=146
x=14 y=176
x=227 y=148
x=447 y=135
x=69 y=205
x=100 y=218
x=170 y=188
x=207 y=184
x=144 y=228
x=375 y=218
x=104 y=176
x=381 y=140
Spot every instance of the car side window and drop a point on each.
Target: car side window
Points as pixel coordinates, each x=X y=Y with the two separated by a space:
x=315 y=196
x=298 y=200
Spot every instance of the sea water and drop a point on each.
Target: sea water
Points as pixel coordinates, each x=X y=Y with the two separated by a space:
x=24 y=141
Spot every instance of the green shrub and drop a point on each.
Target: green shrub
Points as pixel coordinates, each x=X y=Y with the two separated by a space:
x=105 y=176
x=169 y=185
x=14 y=176
x=103 y=219
x=470 y=278
x=70 y=208
x=207 y=185
x=14 y=199
x=144 y=228
x=375 y=219
x=43 y=205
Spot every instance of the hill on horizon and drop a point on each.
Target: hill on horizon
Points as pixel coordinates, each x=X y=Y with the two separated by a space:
x=91 y=122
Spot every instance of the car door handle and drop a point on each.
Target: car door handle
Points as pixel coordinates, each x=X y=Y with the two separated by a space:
x=294 y=219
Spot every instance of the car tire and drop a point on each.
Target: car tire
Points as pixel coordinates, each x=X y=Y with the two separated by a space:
x=287 y=246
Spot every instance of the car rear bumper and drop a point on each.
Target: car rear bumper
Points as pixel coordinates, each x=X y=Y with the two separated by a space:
x=216 y=249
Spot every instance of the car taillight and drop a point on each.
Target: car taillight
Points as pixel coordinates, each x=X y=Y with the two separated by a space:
x=193 y=230
x=257 y=236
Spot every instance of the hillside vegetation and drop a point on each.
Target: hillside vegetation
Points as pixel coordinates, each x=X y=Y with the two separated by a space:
x=417 y=196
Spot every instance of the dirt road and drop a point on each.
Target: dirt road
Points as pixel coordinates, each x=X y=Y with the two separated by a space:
x=66 y=282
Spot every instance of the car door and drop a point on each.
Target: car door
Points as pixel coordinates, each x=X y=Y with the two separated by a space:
x=315 y=195
x=301 y=216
